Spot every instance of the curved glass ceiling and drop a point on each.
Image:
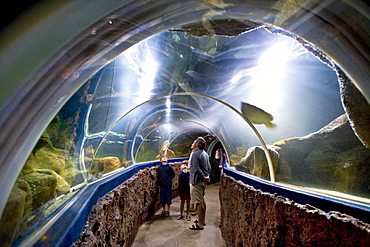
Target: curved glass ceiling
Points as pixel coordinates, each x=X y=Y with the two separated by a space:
x=164 y=91
x=272 y=72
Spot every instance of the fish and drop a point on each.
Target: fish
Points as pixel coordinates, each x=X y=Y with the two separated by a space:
x=164 y=148
x=257 y=115
x=110 y=142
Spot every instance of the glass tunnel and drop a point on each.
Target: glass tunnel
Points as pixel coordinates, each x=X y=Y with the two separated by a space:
x=113 y=85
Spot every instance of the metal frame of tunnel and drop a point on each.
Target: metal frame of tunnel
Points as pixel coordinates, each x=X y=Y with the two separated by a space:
x=245 y=118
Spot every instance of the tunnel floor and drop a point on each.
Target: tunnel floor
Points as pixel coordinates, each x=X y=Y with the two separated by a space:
x=170 y=232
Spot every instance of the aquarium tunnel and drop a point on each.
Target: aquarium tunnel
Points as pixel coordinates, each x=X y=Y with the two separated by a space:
x=93 y=91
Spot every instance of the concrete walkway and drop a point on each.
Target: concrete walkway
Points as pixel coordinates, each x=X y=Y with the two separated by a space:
x=170 y=232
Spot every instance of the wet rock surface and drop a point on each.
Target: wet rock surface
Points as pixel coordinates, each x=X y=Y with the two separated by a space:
x=332 y=158
x=47 y=173
x=226 y=27
x=106 y=165
x=256 y=163
x=19 y=204
x=357 y=108
x=250 y=217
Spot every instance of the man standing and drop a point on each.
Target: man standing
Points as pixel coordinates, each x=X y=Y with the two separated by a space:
x=200 y=169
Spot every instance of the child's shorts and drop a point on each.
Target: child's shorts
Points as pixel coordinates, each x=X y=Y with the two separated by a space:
x=185 y=196
x=165 y=195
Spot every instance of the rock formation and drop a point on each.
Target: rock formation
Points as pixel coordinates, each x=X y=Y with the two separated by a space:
x=357 y=108
x=256 y=163
x=106 y=165
x=332 y=158
x=115 y=219
x=47 y=173
x=18 y=206
x=250 y=217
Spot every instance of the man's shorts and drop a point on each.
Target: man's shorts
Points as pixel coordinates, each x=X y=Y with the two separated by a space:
x=197 y=192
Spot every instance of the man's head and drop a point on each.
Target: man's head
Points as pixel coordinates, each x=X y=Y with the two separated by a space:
x=194 y=145
x=201 y=143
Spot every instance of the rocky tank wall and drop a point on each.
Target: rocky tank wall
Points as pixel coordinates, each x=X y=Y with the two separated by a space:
x=250 y=217
x=116 y=218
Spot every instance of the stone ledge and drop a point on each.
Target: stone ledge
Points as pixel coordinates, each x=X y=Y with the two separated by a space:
x=250 y=217
x=116 y=218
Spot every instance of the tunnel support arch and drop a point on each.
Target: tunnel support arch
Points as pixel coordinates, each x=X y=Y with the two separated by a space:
x=266 y=150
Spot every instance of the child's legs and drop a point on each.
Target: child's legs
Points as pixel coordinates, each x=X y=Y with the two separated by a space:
x=187 y=199
x=168 y=197
x=162 y=197
x=188 y=206
x=182 y=205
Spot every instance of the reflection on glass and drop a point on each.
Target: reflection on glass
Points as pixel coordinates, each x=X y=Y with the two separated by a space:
x=133 y=111
x=141 y=61
x=274 y=73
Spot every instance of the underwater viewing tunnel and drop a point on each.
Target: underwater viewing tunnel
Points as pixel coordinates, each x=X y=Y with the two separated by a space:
x=94 y=92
